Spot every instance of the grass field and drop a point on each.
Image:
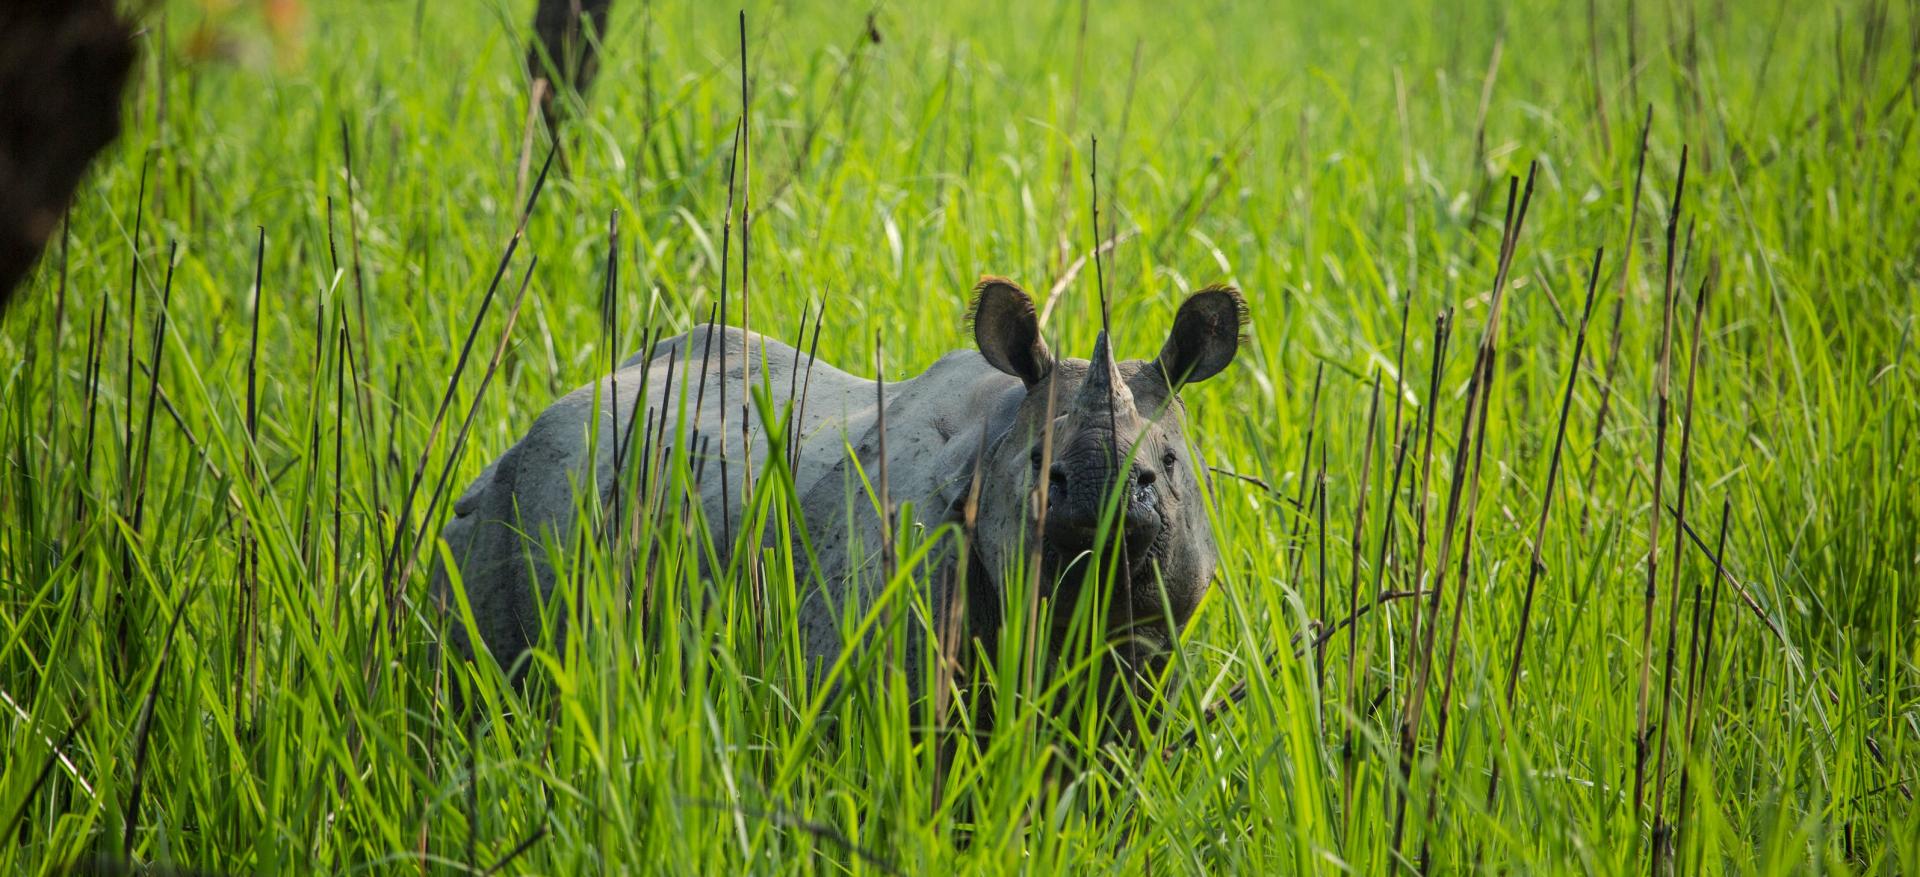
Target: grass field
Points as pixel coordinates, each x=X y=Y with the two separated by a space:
x=208 y=662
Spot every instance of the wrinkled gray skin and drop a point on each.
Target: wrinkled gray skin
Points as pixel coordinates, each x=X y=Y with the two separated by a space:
x=935 y=425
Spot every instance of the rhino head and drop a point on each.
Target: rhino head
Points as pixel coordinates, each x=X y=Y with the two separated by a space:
x=1098 y=452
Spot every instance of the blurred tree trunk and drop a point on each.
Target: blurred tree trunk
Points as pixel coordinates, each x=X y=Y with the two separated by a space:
x=63 y=66
x=565 y=54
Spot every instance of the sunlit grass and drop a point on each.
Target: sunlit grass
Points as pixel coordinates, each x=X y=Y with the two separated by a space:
x=1338 y=162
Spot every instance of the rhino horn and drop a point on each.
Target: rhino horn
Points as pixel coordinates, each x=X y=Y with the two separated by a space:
x=1104 y=387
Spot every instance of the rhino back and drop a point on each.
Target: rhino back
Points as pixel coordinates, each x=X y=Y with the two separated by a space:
x=934 y=423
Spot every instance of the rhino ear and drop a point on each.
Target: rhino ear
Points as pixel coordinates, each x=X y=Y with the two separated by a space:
x=1205 y=336
x=1007 y=331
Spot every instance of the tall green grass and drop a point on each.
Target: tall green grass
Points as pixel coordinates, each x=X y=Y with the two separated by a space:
x=206 y=662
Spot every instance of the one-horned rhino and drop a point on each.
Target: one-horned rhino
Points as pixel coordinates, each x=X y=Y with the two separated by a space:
x=1055 y=445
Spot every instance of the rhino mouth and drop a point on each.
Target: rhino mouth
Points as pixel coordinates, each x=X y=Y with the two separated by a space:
x=1129 y=591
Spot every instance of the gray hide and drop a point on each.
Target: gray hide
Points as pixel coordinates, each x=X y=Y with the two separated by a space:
x=938 y=424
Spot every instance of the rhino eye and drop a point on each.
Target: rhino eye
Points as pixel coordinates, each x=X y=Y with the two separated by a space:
x=1034 y=458
x=1167 y=459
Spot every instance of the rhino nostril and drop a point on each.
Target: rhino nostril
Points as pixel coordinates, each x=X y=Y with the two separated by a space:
x=1145 y=478
x=1057 y=475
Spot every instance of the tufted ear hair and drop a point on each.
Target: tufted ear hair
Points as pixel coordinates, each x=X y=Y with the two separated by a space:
x=1007 y=330
x=1206 y=335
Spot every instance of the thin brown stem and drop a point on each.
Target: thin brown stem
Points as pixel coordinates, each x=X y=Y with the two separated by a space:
x=1536 y=566
x=1306 y=465
x=1472 y=429
x=1619 y=305
x=1660 y=390
x=726 y=244
x=1353 y=593
x=1702 y=658
x=1673 y=586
